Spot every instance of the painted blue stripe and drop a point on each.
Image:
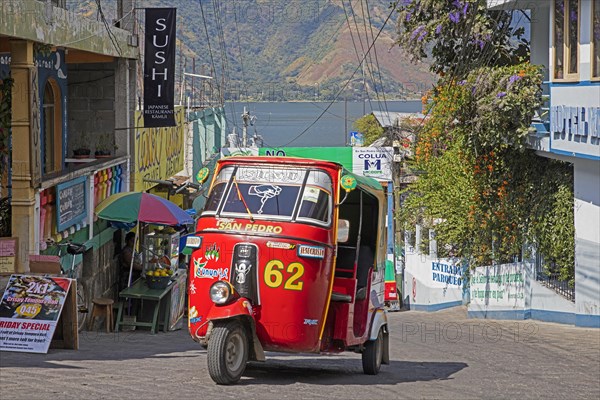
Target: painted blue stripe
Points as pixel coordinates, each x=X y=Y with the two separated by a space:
x=589 y=321
x=508 y=314
x=434 y=307
x=577 y=84
x=559 y=317
x=572 y=154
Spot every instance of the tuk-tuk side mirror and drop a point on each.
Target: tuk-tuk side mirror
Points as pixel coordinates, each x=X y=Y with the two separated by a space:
x=202 y=175
x=348 y=183
x=343 y=230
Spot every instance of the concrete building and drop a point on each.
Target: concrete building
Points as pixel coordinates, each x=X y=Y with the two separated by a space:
x=71 y=85
x=565 y=38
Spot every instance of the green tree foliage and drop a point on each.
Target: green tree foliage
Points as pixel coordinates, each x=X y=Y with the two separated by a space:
x=369 y=127
x=484 y=191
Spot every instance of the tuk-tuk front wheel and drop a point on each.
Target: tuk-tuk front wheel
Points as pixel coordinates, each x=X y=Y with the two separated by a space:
x=227 y=353
x=372 y=355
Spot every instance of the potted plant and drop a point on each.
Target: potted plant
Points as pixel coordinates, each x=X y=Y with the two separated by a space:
x=104 y=146
x=82 y=149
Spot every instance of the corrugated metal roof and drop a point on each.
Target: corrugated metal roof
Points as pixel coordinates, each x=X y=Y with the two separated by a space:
x=390 y=119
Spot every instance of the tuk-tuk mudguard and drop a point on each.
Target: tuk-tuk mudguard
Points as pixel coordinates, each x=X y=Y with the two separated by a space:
x=379 y=321
x=240 y=309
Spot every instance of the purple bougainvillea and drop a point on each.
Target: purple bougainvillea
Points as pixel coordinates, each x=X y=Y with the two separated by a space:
x=454 y=17
x=420 y=32
x=513 y=79
x=501 y=95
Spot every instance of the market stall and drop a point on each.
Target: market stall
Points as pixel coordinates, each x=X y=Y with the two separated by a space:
x=162 y=283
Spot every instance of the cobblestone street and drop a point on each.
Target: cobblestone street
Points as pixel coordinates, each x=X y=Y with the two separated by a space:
x=434 y=355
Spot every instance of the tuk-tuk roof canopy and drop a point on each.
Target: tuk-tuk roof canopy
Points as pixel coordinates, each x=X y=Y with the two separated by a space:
x=363 y=181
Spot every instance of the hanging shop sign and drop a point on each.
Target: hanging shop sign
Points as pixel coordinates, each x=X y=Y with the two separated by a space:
x=29 y=312
x=159 y=67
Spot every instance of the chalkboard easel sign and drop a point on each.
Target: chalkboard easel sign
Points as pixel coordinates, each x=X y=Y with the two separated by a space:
x=9 y=247
x=71 y=203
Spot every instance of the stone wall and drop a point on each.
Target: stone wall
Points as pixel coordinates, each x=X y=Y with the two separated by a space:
x=99 y=272
x=91 y=105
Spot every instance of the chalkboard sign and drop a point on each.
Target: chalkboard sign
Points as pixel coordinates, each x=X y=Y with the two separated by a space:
x=71 y=204
x=8 y=254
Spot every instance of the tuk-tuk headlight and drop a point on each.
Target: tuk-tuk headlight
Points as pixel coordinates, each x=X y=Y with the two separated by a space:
x=221 y=292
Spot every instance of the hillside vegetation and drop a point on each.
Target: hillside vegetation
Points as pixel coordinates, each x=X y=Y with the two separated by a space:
x=290 y=50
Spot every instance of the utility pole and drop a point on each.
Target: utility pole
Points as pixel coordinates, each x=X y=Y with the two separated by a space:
x=193 y=82
x=364 y=87
x=345 y=118
x=182 y=62
x=246 y=119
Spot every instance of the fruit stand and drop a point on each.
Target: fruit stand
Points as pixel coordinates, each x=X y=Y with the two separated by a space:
x=162 y=283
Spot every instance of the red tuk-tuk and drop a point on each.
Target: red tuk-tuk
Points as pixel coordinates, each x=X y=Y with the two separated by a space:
x=289 y=256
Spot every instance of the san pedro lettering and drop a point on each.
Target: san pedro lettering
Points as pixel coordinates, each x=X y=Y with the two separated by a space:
x=249 y=227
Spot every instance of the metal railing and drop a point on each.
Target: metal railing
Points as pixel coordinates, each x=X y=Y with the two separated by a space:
x=552 y=281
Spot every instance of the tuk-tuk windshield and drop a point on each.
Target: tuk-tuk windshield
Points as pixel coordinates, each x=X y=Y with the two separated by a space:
x=272 y=192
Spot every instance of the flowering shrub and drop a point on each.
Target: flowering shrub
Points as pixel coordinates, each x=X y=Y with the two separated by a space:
x=459 y=35
x=484 y=191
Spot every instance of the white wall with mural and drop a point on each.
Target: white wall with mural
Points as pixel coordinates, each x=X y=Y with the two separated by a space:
x=510 y=291
x=500 y=291
x=431 y=283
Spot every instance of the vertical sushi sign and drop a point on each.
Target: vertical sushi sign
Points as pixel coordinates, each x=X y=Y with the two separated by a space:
x=159 y=67
x=29 y=312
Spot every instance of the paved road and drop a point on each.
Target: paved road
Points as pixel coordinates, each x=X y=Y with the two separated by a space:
x=434 y=355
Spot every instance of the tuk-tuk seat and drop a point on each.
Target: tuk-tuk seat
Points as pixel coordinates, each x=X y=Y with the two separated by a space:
x=343 y=289
x=342 y=298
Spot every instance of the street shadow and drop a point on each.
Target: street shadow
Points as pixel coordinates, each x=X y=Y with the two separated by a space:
x=343 y=371
x=100 y=346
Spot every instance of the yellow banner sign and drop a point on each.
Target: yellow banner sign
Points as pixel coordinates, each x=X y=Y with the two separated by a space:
x=158 y=151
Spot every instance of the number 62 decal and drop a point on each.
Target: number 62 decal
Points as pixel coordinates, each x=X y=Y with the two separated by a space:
x=274 y=275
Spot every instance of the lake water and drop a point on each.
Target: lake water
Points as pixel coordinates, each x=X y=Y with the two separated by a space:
x=293 y=124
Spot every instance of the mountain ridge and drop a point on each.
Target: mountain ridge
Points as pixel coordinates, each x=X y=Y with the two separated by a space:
x=291 y=50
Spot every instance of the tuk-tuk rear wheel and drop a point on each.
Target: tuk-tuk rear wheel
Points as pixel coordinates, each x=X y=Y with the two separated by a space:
x=227 y=353
x=372 y=355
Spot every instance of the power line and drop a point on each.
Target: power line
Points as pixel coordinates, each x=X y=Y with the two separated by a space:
x=111 y=35
x=210 y=51
x=375 y=54
x=240 y=51
x=346 y=84
x=355 y=48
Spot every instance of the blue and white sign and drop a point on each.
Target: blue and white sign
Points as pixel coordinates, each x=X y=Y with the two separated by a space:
x=311 y=251
x=575 y=120
x=357 y=139
x=374 y=162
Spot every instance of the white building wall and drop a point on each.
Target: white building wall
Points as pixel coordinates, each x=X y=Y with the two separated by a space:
x=431 y=284
x=540 y=40
x=587 y=241
x=510 y=291
x=547 y=305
